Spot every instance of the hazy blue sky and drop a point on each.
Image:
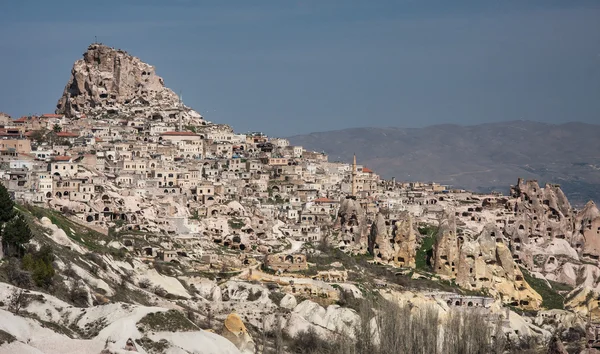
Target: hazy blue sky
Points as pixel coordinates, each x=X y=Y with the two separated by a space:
x=288 y=67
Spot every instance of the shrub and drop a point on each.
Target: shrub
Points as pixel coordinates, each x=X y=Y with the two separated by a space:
x=253 y=296
x=43 y=273
x=6 y=337
x=79 y=296
x=160 y=291
x=40 y=266
x=276 y=297
x=17 y=276
x=171 y=320
x=17 y=300
x=165 y=268
x=69 y=272
x=309 y=342
x=144 y=283
x=96 y=259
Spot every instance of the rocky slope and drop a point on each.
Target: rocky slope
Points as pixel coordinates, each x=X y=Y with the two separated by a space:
x=478 y=158
x=48 y=325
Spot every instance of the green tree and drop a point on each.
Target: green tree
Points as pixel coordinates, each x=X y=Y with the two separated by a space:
x=15 y=235
x=38 y=136
x=56 y=128
x=43 y=273
x=7 y=206
x=46 y=254
x=28 y=263
x=39 y=263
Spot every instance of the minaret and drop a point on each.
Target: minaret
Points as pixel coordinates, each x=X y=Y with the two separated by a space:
x=180 y=113
x=354 y=177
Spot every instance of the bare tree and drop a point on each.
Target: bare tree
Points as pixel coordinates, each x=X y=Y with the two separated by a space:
x=388 y=328
x=209 y=316
x=364 y=331
x=499 y=340
x=466 y=332
x=278 y=332
x=17 y=300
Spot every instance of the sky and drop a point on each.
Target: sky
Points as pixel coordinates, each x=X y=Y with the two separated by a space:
x=294 y=67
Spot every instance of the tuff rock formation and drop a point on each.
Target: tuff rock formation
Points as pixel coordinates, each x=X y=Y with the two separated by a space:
x=235 y=331
x=354 y=227
x=111 y=81
x=483 y=263
x=542 y=214
x=547 y=236
x=379 y=240
x=446 y=249
x=587 y=222
x=396 y=243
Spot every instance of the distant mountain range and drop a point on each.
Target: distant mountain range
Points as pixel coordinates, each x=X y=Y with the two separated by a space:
x=480 y=158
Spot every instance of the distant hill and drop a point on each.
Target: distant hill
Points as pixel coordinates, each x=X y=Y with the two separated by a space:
x=480 y=157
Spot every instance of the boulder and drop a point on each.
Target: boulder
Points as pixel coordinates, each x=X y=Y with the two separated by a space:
x=333 y=319
x=235 y=331
x=288 y=302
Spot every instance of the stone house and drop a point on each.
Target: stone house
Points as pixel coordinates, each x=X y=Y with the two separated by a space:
x=286 y=263
x=20 y=146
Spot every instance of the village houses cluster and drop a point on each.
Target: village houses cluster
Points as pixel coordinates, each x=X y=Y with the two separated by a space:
x=189 y=189
x=155 y=175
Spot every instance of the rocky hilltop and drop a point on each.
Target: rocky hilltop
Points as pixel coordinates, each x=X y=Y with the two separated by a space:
x=111 y=81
